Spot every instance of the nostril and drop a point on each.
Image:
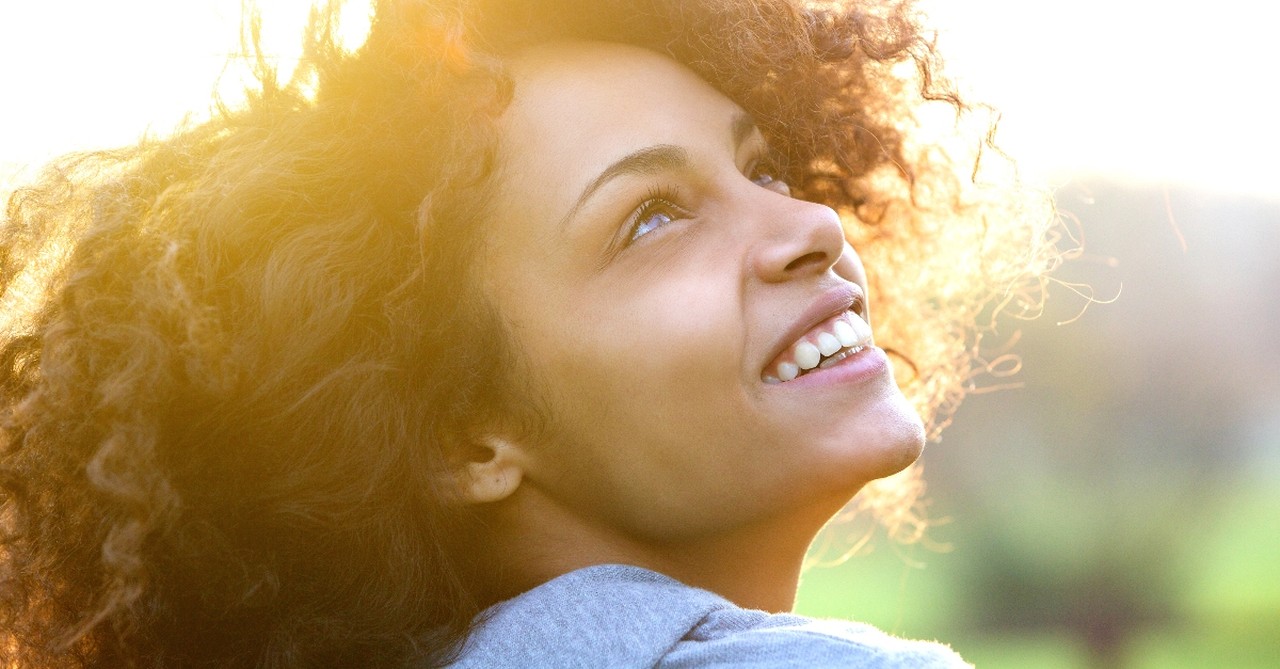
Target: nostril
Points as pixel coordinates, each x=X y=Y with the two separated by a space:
x=806 y=260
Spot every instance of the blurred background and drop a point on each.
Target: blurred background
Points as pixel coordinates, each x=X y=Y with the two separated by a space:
x=1120 y=507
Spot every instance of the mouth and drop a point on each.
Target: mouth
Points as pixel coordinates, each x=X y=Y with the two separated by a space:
x=821 y=347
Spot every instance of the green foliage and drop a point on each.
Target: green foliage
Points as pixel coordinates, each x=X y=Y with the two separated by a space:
x=1223 y=605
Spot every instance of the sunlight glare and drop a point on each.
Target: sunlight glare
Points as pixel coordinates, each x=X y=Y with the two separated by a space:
x=1142 y=90
x=89 y=75
x=1133 y=89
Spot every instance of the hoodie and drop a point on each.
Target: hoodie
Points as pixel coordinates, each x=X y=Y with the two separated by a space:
x=618 y=616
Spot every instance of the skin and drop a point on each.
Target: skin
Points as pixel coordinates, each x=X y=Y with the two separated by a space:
x=663 y=447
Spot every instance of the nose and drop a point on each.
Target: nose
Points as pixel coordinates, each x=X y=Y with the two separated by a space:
x=797 y=239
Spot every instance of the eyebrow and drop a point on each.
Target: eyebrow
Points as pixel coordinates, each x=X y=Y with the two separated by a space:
x=654 y=160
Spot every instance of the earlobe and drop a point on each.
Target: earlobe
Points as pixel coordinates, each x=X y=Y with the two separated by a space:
x=492 y=473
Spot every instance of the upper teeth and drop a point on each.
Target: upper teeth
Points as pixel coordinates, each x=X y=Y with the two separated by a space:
x=846 y=331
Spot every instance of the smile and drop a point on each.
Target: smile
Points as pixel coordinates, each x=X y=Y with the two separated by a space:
x=824 y=345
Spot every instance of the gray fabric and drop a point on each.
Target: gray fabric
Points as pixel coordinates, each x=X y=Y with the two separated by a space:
x=618 y=616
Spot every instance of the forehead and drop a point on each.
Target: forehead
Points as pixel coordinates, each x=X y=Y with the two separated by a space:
x=579 y=106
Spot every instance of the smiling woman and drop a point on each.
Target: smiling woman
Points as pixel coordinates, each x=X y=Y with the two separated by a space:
x=650 y=324
x=535 y=337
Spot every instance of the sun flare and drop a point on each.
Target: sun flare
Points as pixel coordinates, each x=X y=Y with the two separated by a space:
x=1091 y=87
x=95 y=75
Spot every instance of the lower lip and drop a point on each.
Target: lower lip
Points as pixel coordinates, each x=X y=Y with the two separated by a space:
x=867 y=364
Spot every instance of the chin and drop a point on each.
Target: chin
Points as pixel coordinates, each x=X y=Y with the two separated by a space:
x=906 y=441
x=885 y=443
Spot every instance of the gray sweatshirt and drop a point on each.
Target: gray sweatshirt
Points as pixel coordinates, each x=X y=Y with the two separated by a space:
x=618 y=616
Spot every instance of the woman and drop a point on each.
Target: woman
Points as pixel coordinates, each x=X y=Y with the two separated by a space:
x=533 y=337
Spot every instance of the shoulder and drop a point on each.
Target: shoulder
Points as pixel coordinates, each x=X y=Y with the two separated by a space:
x=622 y=616
x=601 y=616
x=757 y=640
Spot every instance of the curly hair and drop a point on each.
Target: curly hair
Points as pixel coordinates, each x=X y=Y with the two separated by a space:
x=236 y=357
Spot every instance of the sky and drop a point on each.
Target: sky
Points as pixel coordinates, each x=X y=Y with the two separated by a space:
x=1147 y=91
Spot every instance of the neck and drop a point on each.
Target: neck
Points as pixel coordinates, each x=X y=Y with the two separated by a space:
x=531 y=539
x=756 y=567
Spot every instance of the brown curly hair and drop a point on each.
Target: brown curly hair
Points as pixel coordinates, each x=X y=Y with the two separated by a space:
x=234 y=358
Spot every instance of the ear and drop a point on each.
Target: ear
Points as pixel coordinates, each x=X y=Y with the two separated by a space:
x=491 y=471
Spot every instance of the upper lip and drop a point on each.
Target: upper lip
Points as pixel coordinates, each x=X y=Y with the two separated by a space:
x=835 y=300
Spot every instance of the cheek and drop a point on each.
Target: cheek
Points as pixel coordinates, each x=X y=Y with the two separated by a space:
x=639 y=391
x=644 y=355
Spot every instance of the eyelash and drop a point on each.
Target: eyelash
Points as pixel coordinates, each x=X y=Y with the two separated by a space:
x=764 y=172
x=659 y=200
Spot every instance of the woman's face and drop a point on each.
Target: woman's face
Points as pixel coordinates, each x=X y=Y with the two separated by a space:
x=658 y=287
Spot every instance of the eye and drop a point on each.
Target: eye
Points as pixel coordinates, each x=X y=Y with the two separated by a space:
x=650 y=221
x=763 y=174
x=655 y=212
